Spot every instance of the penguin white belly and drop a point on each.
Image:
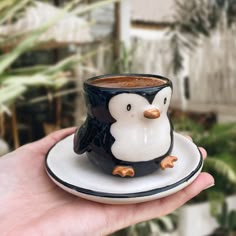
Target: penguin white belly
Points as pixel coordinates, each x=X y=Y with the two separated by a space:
x=137 y=142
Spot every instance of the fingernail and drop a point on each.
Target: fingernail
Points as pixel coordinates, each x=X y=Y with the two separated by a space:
x=209 y=186
x=188 y=137
x=204 y=152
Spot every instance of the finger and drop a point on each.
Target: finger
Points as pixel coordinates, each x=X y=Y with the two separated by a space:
x=170 y=203
x=188 y=137
x=125 y=215
x=203 y=151
x=157 y=208
x=43 y=145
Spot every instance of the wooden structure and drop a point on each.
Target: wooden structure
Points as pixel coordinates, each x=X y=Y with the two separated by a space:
x=212 y=76
x=152 y=14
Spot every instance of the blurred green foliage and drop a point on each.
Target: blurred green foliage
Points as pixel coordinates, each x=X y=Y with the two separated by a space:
x=226 y=220
x=220 y=143
x=15 y=82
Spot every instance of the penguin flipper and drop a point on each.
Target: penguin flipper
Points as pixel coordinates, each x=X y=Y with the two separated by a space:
x=83 y=137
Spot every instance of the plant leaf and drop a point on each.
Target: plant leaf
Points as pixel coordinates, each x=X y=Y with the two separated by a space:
x=223 y=169
x=18 y=5
x=31 y=40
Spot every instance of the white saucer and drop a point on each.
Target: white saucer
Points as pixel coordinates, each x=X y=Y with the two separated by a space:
x=75 y=174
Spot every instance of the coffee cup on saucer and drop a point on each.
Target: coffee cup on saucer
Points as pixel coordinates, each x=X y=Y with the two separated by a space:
x=127 y=131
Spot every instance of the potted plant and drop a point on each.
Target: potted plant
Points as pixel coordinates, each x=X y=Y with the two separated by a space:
x=196 y=217
x=227 y=222
x=17 y=83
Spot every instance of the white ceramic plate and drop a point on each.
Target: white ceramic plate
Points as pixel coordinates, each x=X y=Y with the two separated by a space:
x=75 y=174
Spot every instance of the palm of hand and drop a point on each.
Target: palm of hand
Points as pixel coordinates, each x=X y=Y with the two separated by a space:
x=31 y=204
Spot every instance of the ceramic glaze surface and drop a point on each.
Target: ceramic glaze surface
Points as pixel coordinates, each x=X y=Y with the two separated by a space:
x=126 y=127
x=138 y=138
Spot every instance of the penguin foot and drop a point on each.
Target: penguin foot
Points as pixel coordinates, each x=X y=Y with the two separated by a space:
x=123 y=171
x=168 y=162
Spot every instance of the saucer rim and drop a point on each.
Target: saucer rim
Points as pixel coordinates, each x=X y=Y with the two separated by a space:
x=124 y=195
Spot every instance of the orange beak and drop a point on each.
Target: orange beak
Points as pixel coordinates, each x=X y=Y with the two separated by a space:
x=152 y=113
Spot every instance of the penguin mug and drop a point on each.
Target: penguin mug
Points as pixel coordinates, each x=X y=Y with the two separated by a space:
x=127 y=131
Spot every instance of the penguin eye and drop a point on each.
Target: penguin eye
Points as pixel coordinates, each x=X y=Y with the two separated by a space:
x=165 y=99
x=128 y=107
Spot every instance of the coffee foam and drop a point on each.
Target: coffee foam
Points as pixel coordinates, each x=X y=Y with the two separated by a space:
x=127 y=82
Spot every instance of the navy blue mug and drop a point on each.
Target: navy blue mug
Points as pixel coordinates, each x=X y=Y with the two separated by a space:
x=127 y=131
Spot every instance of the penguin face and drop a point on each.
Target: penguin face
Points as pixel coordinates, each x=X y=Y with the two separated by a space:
x=127 y=107
x=131 y=107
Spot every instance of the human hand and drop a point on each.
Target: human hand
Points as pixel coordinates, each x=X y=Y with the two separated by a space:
x=31 y=204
